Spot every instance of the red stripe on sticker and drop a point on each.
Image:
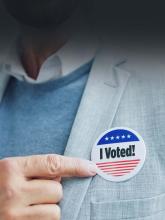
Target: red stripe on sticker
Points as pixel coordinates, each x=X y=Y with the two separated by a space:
x=109 y=165
x=128 y=161
x=111 y=171
x=112 y=167
x=119 y=174
x=117 y=167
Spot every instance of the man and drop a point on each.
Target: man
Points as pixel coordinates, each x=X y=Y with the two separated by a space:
x=37 y=119
x=59 y=76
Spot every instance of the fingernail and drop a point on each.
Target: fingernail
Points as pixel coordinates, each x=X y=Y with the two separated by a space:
x=92 y=168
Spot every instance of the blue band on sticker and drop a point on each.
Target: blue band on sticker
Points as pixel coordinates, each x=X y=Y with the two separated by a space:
x=118 y=136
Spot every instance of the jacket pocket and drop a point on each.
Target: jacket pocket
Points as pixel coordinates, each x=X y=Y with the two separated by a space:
x=147 y=208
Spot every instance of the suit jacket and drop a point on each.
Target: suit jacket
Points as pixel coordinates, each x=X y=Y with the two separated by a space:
x=119 y=93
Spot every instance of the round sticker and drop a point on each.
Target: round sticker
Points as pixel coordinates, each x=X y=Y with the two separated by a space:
x=119 y=154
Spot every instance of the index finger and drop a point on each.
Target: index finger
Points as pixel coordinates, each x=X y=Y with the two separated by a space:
x=53 y=165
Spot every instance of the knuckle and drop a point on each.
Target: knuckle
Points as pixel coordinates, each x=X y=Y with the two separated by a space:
x=9 y=192
x=53 y=163
x=7 y=165
x=8 y=188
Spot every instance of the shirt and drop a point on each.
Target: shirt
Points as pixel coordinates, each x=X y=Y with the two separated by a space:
x=72 y=55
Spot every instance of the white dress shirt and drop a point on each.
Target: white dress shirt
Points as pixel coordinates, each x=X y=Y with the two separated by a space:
x=71 y=56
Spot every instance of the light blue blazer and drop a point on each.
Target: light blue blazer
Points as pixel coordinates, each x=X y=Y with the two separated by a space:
x=119 y=95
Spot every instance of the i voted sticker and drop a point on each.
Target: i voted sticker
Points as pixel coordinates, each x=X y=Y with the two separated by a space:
x=119 y=154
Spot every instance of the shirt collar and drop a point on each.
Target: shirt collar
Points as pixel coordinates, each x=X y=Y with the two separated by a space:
x=75 y=53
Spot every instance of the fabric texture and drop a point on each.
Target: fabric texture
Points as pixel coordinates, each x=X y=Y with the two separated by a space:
x=37 y=119
x=121 y=95
x=142 y=108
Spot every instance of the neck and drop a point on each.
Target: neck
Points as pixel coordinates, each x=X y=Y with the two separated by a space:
x=37 y=46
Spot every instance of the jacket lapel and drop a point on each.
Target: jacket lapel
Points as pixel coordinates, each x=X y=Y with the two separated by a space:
x=98 y=107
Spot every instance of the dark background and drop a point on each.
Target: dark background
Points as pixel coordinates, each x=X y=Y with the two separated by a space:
x=114 y=18
x=113 y=12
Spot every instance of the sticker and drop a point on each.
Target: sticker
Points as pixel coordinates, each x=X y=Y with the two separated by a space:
x=119 y=154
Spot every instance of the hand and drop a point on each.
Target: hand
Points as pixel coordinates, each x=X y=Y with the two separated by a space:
x=30 y=186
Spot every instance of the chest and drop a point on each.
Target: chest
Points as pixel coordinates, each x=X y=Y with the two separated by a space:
x=38 y=119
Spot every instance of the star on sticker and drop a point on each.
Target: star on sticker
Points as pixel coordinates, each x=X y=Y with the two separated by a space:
x=123 y=136
x=117 y=137
x=112 y=138
x=128 y=136
x=107 y=138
